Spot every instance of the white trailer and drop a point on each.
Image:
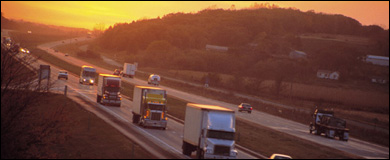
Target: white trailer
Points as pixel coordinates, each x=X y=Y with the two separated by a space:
x=129 y=70
x=209 y=130
x=149 y=107
x=108 y=90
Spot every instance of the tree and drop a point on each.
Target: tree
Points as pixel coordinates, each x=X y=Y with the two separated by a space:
x=19 y=90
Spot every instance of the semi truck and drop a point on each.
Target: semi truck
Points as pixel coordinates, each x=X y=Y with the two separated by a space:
x=209 y=130
x=149 y=107
x=108 y=90
x=87 y=75
x=154 y=79
x=325 y=122
x=129 y=70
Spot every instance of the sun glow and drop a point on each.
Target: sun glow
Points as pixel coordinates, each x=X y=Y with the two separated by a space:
x=86 y=14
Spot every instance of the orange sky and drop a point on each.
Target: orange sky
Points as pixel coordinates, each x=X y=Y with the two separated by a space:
x=88 y=13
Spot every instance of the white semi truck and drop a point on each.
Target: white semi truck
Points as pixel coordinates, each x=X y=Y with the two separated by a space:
x=129 y=70
x=149 y=107
x=87 y=75
x=108 y=90
x=209 y=130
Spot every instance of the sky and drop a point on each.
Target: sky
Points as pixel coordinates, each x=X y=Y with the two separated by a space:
x=88 y=14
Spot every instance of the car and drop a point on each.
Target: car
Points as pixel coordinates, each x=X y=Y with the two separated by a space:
x=279 y=156
x=66 y=54
x=117 y=72
x=63 y=74
x=245 y=107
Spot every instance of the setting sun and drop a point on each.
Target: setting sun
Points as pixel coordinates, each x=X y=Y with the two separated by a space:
x=87 y=14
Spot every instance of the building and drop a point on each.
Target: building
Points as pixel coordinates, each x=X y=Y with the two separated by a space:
x=297 y=55
x=216 y=48
x=379 y=80
x=325 y=74
x=377 y=60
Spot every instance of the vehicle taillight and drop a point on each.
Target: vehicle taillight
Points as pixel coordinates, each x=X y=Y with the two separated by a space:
x=251 y=108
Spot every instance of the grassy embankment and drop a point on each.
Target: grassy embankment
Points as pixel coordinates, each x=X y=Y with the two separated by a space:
x=262 y=135
x=77 y=133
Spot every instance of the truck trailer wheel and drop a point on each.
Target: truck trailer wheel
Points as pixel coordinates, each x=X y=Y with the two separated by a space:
x=98 y=99
x=199 y=153
x=135 y=119
x=186 y=149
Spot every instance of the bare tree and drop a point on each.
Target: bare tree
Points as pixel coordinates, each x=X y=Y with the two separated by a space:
x=19 y=90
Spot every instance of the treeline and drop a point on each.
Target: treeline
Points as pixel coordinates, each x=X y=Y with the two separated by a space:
x=230 y=28
x=37 y=28
x=254 y=37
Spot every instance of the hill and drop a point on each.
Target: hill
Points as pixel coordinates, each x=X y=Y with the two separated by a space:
x=253 y=37
x=24 y=26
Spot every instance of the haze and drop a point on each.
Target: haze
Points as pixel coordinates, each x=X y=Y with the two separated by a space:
x=88 y=14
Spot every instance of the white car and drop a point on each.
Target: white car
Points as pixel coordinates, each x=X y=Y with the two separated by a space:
x=280 y=156
x=63 y=74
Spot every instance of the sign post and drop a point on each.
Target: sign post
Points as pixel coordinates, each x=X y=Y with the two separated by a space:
x=44 y=73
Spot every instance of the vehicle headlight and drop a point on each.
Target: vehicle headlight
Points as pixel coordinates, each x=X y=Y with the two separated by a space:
x=84 y=79
x=91 y=80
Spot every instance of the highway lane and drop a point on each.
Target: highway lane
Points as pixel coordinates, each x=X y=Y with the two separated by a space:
x=353 y=146
x=169 y=139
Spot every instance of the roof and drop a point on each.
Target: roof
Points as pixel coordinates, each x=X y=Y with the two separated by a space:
x=220 y=48
x=299 y=52
x=85 y=66
x=377 y=57
x=273 y=156
x=209 y=107
x=109 y=75
x=326 y=71
x=147 y=87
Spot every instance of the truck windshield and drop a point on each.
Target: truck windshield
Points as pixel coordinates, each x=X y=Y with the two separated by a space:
x=156 y=107
x=220 y=135
x=337 y=122
x=89 y=74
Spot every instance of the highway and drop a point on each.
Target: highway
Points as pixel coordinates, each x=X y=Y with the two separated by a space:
x=169 y=141
x=163 y=144
x=353 y=146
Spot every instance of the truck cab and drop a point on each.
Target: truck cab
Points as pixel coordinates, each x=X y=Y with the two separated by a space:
x=149 y=107
x=87 y=75
x=154 y=79
x=325 y=122
x=109 y=90
x=209 y=130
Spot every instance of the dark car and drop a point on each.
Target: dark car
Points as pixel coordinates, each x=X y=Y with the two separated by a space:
x=117 y=72
x=245 y=107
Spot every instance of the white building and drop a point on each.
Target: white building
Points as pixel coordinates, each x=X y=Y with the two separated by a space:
x=377 y=60
x=325 y=74
x=216 y=48
x=297 y=54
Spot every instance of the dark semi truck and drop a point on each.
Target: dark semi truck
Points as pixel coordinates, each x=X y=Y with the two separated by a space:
x=325 y=122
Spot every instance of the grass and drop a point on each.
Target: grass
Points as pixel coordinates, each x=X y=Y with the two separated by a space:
x=78 y=134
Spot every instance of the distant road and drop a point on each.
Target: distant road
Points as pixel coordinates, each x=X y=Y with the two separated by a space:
x=353 y=146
